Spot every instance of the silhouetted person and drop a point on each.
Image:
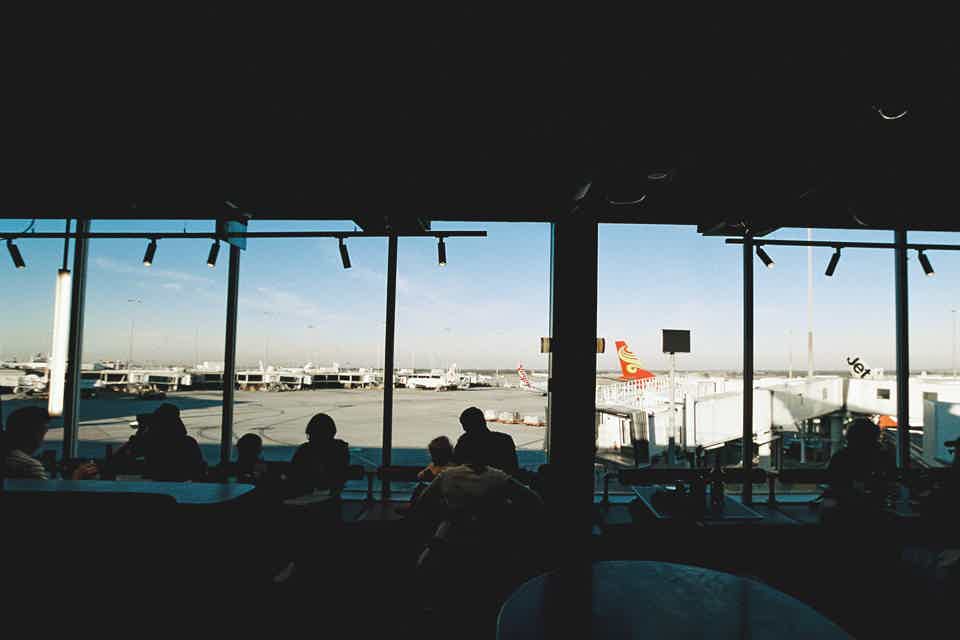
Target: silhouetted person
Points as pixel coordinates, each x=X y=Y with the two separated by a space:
x=860 y=473
x=321 y=462
x=249 y=448
x=249 y=466
x=171 y=454
x=26 y=429
x=441 y=458
x=471 y=487
x=476 y=513
x=488 y=447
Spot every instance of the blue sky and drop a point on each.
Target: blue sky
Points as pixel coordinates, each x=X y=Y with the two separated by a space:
x=486 y=308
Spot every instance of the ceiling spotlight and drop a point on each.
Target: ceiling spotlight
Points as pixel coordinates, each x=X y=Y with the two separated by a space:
x=834 y=259
x=582 y=190
x=148 y=254
x=212 y=257
x=344 y=256
x=925 y=263
x=441 y=252
x=891 y=113
x=660 y=176
x=15 y=255
x=639 y=200
x=767 y=260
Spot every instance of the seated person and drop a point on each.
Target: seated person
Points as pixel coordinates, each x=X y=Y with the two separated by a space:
x=475 y=513
x=249 y=467
x=861 y=473
x=441 y=458
x=26 y=429
x=493 y=448
x=171 y=455
x=321 y=462
x=470 y=488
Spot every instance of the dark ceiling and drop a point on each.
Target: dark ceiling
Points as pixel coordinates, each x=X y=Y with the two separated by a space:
x=714 y=118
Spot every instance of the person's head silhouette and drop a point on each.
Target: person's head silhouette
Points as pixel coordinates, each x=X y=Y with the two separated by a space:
x=249 y=447
x=862 y=435
x=167 y=424
x=26 y=429
x=472 y=420
x=321 y=428
x=441 y=451
x=167 y=411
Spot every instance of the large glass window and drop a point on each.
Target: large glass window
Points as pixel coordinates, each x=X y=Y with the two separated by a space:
x=26 y=324
x=934 y=320
x=152 y=334
x=465 y=330
x=651 y=278
x=853 y=323
x=310 y=338
x=839 y=328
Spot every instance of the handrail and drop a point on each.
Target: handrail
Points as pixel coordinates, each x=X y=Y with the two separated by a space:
x=661 y=475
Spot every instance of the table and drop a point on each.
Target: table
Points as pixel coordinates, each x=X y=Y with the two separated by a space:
x=185 y=493
x=637 y=599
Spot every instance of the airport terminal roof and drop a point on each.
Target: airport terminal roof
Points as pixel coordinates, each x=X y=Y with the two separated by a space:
x=774 y=117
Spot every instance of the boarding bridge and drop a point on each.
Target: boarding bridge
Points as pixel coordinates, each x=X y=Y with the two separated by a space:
x=711 y=409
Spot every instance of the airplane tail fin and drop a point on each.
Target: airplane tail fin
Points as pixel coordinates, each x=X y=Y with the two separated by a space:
x=524 y=380
x=630 y=364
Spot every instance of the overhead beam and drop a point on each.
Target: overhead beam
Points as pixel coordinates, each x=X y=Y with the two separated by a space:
x=848 y=245
x=160 y=235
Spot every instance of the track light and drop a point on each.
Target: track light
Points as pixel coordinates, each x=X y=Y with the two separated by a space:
x=441 y=252
x=344 y=256
x=212 y=257
x=661 y=175
x=834 y=259
x=925 y=262
x=767 y=260
x=891 y=112
x=15 y=255
x=148 y=254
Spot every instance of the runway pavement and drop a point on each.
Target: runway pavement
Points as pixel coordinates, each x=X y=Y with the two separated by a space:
x=280 y=418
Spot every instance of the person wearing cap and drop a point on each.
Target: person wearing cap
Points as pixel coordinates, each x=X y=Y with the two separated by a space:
x=26 y=429
x=493 y=448
x=322 y=461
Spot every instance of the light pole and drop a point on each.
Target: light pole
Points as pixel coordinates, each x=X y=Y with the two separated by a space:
x=809 y=305
x=313 y=352
x=790 y=354
x=266 y=341
x=132 y=324
x=953 y=360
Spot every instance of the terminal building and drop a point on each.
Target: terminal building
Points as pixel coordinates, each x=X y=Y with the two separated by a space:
x=399 y=185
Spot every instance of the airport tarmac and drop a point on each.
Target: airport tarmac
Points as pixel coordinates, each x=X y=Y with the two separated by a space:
x=280 y=418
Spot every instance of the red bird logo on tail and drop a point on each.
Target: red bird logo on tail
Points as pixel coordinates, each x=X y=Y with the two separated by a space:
x=630 y=364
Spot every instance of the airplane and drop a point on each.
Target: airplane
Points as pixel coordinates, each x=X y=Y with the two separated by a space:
x=630 y=364
x=526 y=385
